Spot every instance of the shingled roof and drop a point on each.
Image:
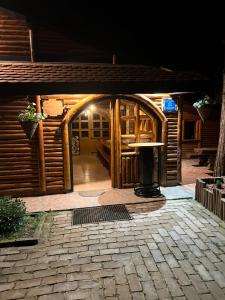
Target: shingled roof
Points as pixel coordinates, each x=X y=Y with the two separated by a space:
x=33 y=78
x=63 y=72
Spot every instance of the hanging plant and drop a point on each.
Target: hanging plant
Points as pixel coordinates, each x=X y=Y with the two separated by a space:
x=29 y=119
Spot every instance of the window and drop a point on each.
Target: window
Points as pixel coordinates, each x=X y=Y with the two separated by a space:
x=189 y=132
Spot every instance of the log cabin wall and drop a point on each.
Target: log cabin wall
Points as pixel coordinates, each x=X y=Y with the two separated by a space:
x=14 y=36
x=19 y=153
x=19 y=171
x=171 y=160
x=210 y=133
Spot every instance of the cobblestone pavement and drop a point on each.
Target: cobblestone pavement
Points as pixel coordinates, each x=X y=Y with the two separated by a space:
x=177 y=252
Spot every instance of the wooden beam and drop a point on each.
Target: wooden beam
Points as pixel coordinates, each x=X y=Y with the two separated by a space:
x=41 y=161
x=118 y=143
x=179 y=139
x=112 y=139
x=137 y=122
x=66 y=157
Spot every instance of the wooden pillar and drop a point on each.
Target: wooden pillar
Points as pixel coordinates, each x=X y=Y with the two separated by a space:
x=137 y=123
x=118 y=144
x=179 y=140
x=41 y=152
x=112 y=137
x=164 y=154
x=66 y=157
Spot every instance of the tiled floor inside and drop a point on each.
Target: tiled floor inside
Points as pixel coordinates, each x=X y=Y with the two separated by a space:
x=89 y=173
x=175 y=252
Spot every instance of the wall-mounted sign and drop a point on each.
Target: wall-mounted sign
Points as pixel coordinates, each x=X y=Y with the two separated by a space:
x=169 y=105
x=53 y=107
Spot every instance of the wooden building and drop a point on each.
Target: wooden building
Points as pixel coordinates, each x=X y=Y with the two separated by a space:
x=128 y=107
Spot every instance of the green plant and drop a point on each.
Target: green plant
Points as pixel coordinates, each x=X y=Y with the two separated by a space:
x=12 y=214
x=30 y=114
x=202 y=102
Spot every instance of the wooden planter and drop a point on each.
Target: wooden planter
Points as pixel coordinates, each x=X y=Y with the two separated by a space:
x=212 y=199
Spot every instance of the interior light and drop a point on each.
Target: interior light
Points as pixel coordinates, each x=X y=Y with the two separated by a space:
x=92 y=107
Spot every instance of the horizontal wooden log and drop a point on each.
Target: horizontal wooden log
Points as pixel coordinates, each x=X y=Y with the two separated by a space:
x=22 y=159
x=18 y=171
x=6 y=186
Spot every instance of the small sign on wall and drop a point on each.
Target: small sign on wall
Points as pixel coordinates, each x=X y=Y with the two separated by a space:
x=53 y=107
x=169 y=105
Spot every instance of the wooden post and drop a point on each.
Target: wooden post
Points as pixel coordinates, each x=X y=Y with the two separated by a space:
x=42 y=176
x=66 y=157
x=179 y=140
x=163 y=154
x=118 y=143
x=137 y=123
x=112 y=137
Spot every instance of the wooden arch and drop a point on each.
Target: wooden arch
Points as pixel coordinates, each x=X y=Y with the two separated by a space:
x=77 y=108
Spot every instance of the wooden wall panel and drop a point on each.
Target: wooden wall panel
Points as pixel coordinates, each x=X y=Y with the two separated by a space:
x=18 y=155
x=210 y=133
x=53 y=154
x=14 y=36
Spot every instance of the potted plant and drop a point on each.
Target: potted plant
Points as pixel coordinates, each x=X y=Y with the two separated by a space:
x=207 y=109
x=29 y=119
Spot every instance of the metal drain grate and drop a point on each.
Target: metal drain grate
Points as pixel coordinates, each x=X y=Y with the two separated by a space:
x=100 y=214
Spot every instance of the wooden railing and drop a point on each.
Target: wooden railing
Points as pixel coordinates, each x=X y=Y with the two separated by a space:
x=129 y=169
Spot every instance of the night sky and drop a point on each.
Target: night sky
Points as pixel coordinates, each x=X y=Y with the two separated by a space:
x=181 y=36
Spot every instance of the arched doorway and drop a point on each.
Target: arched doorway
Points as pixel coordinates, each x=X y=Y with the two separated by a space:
x=120 y=162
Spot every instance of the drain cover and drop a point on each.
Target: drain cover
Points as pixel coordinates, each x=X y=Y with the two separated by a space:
x=100 y=214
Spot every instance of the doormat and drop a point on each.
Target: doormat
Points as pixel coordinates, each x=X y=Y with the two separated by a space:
x=100 y=214
x=91 y=193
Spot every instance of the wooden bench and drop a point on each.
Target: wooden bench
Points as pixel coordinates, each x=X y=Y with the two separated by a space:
x=206 y=156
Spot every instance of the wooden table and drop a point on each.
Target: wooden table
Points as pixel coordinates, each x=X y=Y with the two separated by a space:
x=206 y=156
x=147 y=187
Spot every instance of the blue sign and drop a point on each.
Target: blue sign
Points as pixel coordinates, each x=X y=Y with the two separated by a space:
x=169 y=105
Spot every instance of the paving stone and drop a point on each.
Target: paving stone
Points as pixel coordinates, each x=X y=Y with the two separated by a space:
x=143 y=273
x=78 y=276
x=120 y=276
x=13 y=294
x=216 y=291
x=129 y=267
x=78 y=294
x=101 y=258
x=150 y=264
x=39 y=290
x=149 y=290
x=138 y=296
x=199 y=285
x=65 y=286
x=54 y=279
x=54 y=296
x=204 y=274
x=6 y=286
x=219 y=278
x=181 y=276
x=157 y=255
x=187 y=267
x=28 y=283
x=134 y=283
x=190 y=293
x=124 y=292
x=172 y=262
x=91 y=267
x=109 y=287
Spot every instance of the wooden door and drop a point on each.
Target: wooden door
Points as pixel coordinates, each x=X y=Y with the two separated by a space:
x=131 y=124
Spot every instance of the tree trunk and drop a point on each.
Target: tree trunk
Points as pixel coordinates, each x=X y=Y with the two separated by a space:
x=220 y=157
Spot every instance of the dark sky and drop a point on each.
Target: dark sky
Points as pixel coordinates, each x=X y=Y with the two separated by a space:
x=181 y=36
